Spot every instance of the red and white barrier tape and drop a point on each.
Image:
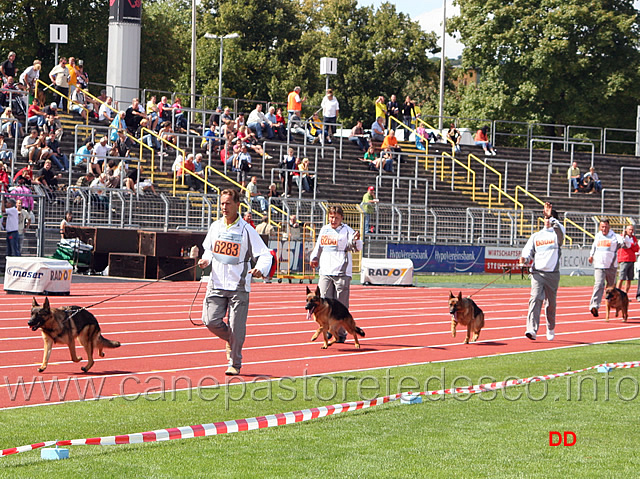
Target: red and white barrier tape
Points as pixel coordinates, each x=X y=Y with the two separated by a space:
x=273 y=420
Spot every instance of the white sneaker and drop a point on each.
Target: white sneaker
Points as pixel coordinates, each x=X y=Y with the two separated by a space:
x=550 y=334
x=494 y=153
x=487 y=153
x=531 y=335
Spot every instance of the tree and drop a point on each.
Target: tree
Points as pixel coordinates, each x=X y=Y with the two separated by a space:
x=551 y=61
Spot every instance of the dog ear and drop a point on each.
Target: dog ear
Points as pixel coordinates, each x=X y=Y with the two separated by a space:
x=451 y=295
x=34 y=304
x=317 y=291
x=460 y=295
x=46 y=305
x=308 y=290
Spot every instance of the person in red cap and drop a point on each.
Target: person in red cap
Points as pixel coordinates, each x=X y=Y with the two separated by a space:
x=368 y=203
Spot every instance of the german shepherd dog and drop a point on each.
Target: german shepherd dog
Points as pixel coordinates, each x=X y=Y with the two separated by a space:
x=618 y=300
x=64 y=325
x=466 y=312
x=330 y=314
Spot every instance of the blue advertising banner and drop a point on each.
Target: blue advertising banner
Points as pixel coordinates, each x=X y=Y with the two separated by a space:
x=440 y=259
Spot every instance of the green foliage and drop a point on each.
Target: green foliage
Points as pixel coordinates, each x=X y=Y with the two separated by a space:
x=24 y=28
x=551 y=61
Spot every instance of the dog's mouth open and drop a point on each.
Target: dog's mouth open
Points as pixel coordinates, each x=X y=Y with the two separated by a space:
x=310 y=307
x=34 y=324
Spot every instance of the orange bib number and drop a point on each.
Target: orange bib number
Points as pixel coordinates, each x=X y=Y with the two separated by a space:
x=226 y=249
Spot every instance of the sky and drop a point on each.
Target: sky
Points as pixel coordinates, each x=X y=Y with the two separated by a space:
x=429 y=14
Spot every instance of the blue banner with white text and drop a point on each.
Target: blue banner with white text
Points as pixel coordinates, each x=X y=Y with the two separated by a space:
x=440 y=259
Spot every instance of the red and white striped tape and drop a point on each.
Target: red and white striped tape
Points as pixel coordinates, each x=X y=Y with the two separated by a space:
x=273 y=420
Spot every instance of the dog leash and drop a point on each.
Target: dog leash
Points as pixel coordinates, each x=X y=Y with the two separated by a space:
x=131 y=291
x=191 y=307
x=507 y=269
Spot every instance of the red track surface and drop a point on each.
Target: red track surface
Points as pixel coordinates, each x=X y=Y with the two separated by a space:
x=161 y=349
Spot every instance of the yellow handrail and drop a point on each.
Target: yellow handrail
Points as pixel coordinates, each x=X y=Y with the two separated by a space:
x=86 y=92
x=408 y=128
x=471 y=155
x=531 y=195
x=69 y=100
x=166 y=142
x=453 y=145
x=469 y=171
x=580 y=228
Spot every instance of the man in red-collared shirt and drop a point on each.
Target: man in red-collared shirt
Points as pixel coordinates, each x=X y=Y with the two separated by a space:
x=627 y=258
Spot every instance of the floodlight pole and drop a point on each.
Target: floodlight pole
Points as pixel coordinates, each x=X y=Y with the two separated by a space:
x=442 y=64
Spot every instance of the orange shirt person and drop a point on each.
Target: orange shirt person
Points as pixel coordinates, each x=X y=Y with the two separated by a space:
x=390 y=141
x=294 y=102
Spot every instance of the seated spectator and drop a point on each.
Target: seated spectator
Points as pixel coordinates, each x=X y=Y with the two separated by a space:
x=101 y=151
x=198 y=165
x=47 y=177
x=30 y=149
x=10 y=126
x=279 y=125
x=85 y=180
x=117 y=124
x=35 y=116
x=239 y=121
x=259 y=123
x=210 y=141
x=378 y=130
x=295 y=126
x=83 y=155
x=181 y=122
x=373 y=161
x=597 y=184
x=145 y=186
x=248 y=218
x=586 y=185
x=454 y=135
x=26 y=174
x=189 y=179
x=120 y=147
x=45 y=151
x=59 y=159
x=6 y=154
x=358 y=137
x=273 y=197
x=133 y=115
x=249 y=138
x=99 y=192
x=422 y=137
x=153 y=113
x=113 y=181
x=252 y=194
x=4 y=178
x=316 y=128
x=574 y=176
x=106 y=114
x=289 y=163
x=306 y=180
x=242 y=165
x=165 y=110
x=481 y=140
x=79 y=103
x=390 y=143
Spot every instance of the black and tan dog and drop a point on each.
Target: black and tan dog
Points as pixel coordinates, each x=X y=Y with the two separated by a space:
x=64 y=325
x=466 y=312
x=618 y=300
x=330 y=314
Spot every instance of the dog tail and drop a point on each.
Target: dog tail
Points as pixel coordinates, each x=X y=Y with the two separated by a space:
x=359 y=331
x=108 y=343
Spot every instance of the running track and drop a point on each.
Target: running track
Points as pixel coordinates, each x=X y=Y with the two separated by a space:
x=159 y=344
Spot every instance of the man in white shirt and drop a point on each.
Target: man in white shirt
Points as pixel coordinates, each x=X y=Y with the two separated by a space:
x=229 y=246
x=105 y=114
x=330 y=111
x=10 y=217
x=543 y=248
x=100 y=152
x=258 y=122
x=604 y=258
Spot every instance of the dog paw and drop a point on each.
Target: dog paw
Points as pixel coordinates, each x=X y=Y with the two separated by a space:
x=41 y=369
x=313 y=338
x=102 y=354
x=357 y=346
x=85 y=368
x=466 y=341
x=324 y=346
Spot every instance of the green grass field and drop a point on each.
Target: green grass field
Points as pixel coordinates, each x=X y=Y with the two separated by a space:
x=495 y=434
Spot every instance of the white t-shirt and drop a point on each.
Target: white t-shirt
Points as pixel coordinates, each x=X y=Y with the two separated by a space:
x=330 y=108
x=12 y=219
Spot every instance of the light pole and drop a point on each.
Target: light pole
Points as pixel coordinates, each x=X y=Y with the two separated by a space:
x=443 y=58
x=222 y=38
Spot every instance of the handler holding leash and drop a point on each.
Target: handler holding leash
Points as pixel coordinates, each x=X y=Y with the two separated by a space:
x=605 y=262
x=336 y=241
x=229 y=246
x=543 y=248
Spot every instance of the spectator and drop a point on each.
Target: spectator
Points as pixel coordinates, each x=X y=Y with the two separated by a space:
x=627 y=257
x=481 y=140
x=597 y=184
x=240 y=121
x=66 y=221
x=265 y=229
x=25 y=173
x=273 y=197
x=101 y=151
x=47 y=177
x=10 y=212
x=165 y=110
x=198 y=165
x=117 y=124
x=381 y=107
x=105 y=114
x=4 y=177
x=390 y=143
x=289 y=163
x=31 y=75
x=243 y=165
x=6 y=154
x=252 y=193
x=45 y=151
x=294 y=229
x=73 y=75
x=8 y=68
x=276 y=126
x=294 y=103
x=52 y=122
x=210 y=141
x=59 y=75
x=60 y=159
x=214 y=119
x=408 y=111
x=84 y=182
x=604 y=260
x=330 y=112
x=295 y=127
x=227 y=120
x=316 y=129
x=358 y=137
x=145 y=186
x=249 y=219
x=187 y=169
x=82 y=76
x=22 y=191
x=35 y=116
x=30 y=149
x=133 y=115
x=368 y=204
x=79 y=103
x=10 y=126
x=248 y=138
x=378 y=130
x=393 y=110
x=99 y=192
x=281 y=129
x=120 y=147
x=24 y=221
x=454 y=135
x=306 y=180
x=180 y=119
x=153 y=113
x=84 y=154
x=574 y=176
x=259 y=123
x=422 y=138
x=13 y=92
